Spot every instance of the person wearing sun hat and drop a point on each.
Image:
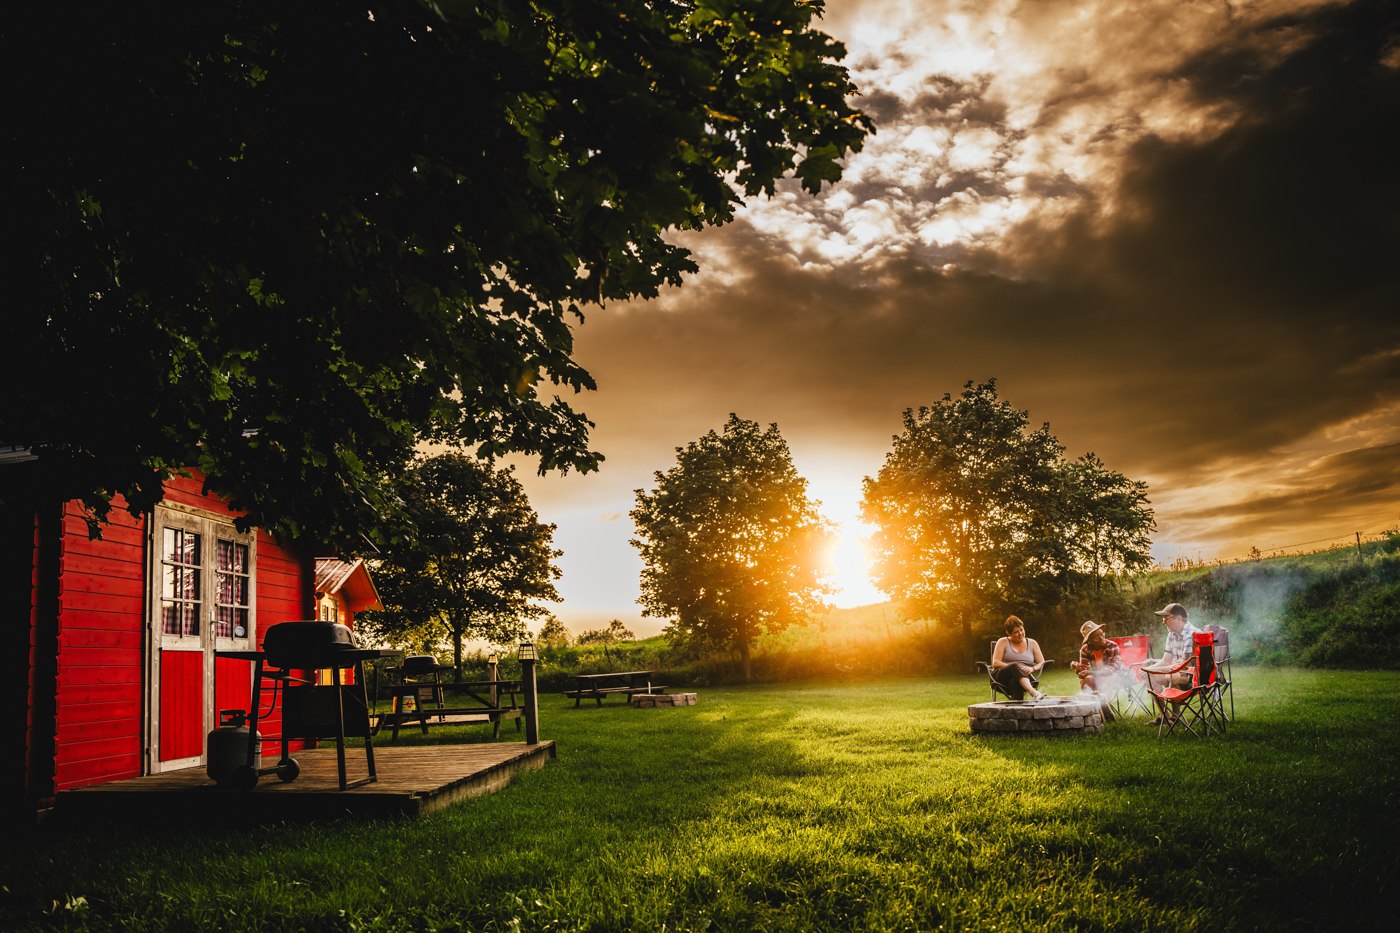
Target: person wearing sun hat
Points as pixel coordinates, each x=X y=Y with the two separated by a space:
x=1098 y=648
x=1179 y=647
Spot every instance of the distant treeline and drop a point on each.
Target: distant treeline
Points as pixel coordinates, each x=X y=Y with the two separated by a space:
x=1335 y=608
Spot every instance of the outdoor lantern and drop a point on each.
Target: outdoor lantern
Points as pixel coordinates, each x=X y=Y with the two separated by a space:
x=527 y=652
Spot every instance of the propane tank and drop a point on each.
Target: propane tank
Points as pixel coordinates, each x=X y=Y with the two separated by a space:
x=228 y=746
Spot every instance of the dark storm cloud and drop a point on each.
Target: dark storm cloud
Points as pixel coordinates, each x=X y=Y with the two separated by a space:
x=1229 y=296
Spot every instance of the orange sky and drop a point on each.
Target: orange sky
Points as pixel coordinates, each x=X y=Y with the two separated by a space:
x=1169 y=229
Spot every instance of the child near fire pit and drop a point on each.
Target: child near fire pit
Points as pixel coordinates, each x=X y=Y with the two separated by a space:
x=1109 y=667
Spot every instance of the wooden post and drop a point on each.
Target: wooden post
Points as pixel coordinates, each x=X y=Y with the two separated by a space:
x=1359 y=555
x=532 y=706
x=493 y=674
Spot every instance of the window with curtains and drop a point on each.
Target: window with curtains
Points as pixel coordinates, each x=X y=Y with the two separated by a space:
x=181 y=581
x=204 y=580
x=231 y=571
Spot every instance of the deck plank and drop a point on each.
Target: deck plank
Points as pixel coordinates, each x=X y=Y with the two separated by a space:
x=413 y=781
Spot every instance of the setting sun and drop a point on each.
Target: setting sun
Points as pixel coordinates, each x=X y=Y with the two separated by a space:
x=850 y=569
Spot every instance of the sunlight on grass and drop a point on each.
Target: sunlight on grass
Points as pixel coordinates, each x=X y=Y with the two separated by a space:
x=811 y=806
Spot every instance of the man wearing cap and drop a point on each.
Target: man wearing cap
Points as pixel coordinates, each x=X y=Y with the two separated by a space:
x=1179 y=647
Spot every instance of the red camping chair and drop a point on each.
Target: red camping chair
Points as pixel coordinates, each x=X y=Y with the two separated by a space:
x=1133 y=651
x=1224 y=677
x=1199 y=707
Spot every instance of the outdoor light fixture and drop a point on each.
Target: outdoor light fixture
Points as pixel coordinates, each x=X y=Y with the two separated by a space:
x=527 y=652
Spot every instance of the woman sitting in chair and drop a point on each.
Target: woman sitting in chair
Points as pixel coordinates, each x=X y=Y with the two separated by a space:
x=1015 y=660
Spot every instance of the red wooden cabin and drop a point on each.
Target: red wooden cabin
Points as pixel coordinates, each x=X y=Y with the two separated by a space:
x=108 y=646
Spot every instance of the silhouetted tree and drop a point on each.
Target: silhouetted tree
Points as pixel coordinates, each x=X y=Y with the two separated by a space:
x=478 y=562
x=1105 y=519
x=975 y=512
x=614 y=633
x=731 y=545
x=554 y=634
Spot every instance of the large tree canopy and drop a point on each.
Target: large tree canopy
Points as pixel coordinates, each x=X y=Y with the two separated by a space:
x=731 y=546
x=477 y=566
x=285 y=242
x=975 y=513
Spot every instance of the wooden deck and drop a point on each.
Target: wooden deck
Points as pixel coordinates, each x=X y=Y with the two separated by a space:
x=413 y=781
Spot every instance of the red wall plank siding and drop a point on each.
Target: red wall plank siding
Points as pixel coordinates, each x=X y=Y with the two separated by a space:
x=116 y=535
x=102 y=602
x=91 y=620
x=104 y=710
x=71 y=659
x=101 y=659
x=103 y=692
x=281 y=592
x=181 y=704
x=191 y=492
x=97 y=557
x=102 y=748
x=99 y=770
x=101 y=637
x=92 y=731
x=98 y=585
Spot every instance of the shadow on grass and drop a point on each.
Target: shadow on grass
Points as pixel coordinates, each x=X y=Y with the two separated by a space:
x=628 y=784
x=1282 y=814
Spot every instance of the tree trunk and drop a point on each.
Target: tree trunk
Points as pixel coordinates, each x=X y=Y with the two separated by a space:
x=969 y=651
x=1097 y=577
x=744 y=653
x=457 y=653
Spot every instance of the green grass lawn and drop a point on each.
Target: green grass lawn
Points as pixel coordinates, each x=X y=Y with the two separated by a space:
x=813 y=807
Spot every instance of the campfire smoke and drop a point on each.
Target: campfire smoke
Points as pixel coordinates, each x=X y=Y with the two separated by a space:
x=1258 y=595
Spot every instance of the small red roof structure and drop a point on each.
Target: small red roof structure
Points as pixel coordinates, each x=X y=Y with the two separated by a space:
x=347 y=580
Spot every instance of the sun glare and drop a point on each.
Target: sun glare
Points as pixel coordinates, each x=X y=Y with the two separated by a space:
x=850 y=566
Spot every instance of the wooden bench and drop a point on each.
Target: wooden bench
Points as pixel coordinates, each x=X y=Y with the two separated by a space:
x=626 y=684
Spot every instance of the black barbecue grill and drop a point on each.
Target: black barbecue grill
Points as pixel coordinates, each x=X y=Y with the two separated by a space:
x=309 y=711
x=310 y=645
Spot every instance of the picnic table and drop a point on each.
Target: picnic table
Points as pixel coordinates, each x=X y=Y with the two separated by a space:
x=489 y=695
x=598 y=686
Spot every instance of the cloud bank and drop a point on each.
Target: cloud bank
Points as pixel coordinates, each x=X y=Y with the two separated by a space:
x=1169 y=229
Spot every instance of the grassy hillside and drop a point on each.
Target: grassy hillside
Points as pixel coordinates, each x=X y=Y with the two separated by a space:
x=1334 y=608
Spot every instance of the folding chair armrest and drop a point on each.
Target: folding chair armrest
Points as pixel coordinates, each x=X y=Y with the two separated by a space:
x=983 y=666
x=1175 y=670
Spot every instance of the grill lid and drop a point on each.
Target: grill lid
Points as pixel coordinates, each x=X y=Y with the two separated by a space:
x=307 y=644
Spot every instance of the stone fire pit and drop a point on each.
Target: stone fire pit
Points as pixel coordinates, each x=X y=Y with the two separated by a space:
x=1063 y=716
